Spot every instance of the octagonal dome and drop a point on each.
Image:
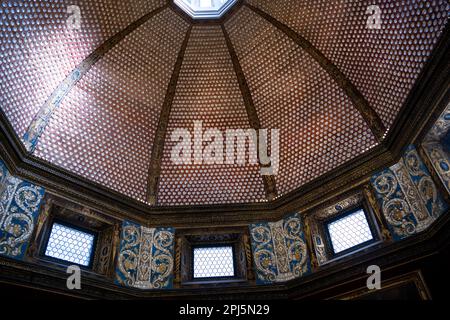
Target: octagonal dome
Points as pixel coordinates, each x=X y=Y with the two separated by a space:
x=101 y=100
x=205 y=9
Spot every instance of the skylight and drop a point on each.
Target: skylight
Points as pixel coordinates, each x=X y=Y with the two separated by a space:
x=205 y=9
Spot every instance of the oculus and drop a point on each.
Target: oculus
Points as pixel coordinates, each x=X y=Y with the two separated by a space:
x=205 y=9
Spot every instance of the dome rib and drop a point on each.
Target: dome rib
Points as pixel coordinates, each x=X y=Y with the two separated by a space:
x=368 y=113
x=154 y=170
x=269 y=181
x=41 y=119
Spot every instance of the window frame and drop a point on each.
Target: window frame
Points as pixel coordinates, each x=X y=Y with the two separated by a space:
x=75 y=227
x=213 y=245
x=345 y=213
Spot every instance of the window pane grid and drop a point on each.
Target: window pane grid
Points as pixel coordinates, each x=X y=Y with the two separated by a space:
x=70 y=245
x=349 y=231
x=213 y=262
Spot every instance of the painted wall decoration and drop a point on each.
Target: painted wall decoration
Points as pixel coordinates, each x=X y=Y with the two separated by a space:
x=441 y=128
x=407 y=196
x=279 y=250
x=437 y=148
x=334 y=209
x=146 y=257
x=19 y=208
x=439 y=157
x=319 y=248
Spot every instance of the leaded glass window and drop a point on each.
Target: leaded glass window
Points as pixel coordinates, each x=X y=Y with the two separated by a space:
x=349 y=231
x=70 y=244
x=214 y=262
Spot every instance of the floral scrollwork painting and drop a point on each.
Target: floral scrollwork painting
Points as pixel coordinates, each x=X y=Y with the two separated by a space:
x=407 y=196
x=279 y=250
x=146 y=257
x=19 y=207
x=437 y=148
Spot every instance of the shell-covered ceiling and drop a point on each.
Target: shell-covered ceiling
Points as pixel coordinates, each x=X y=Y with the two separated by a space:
x=102 y=99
